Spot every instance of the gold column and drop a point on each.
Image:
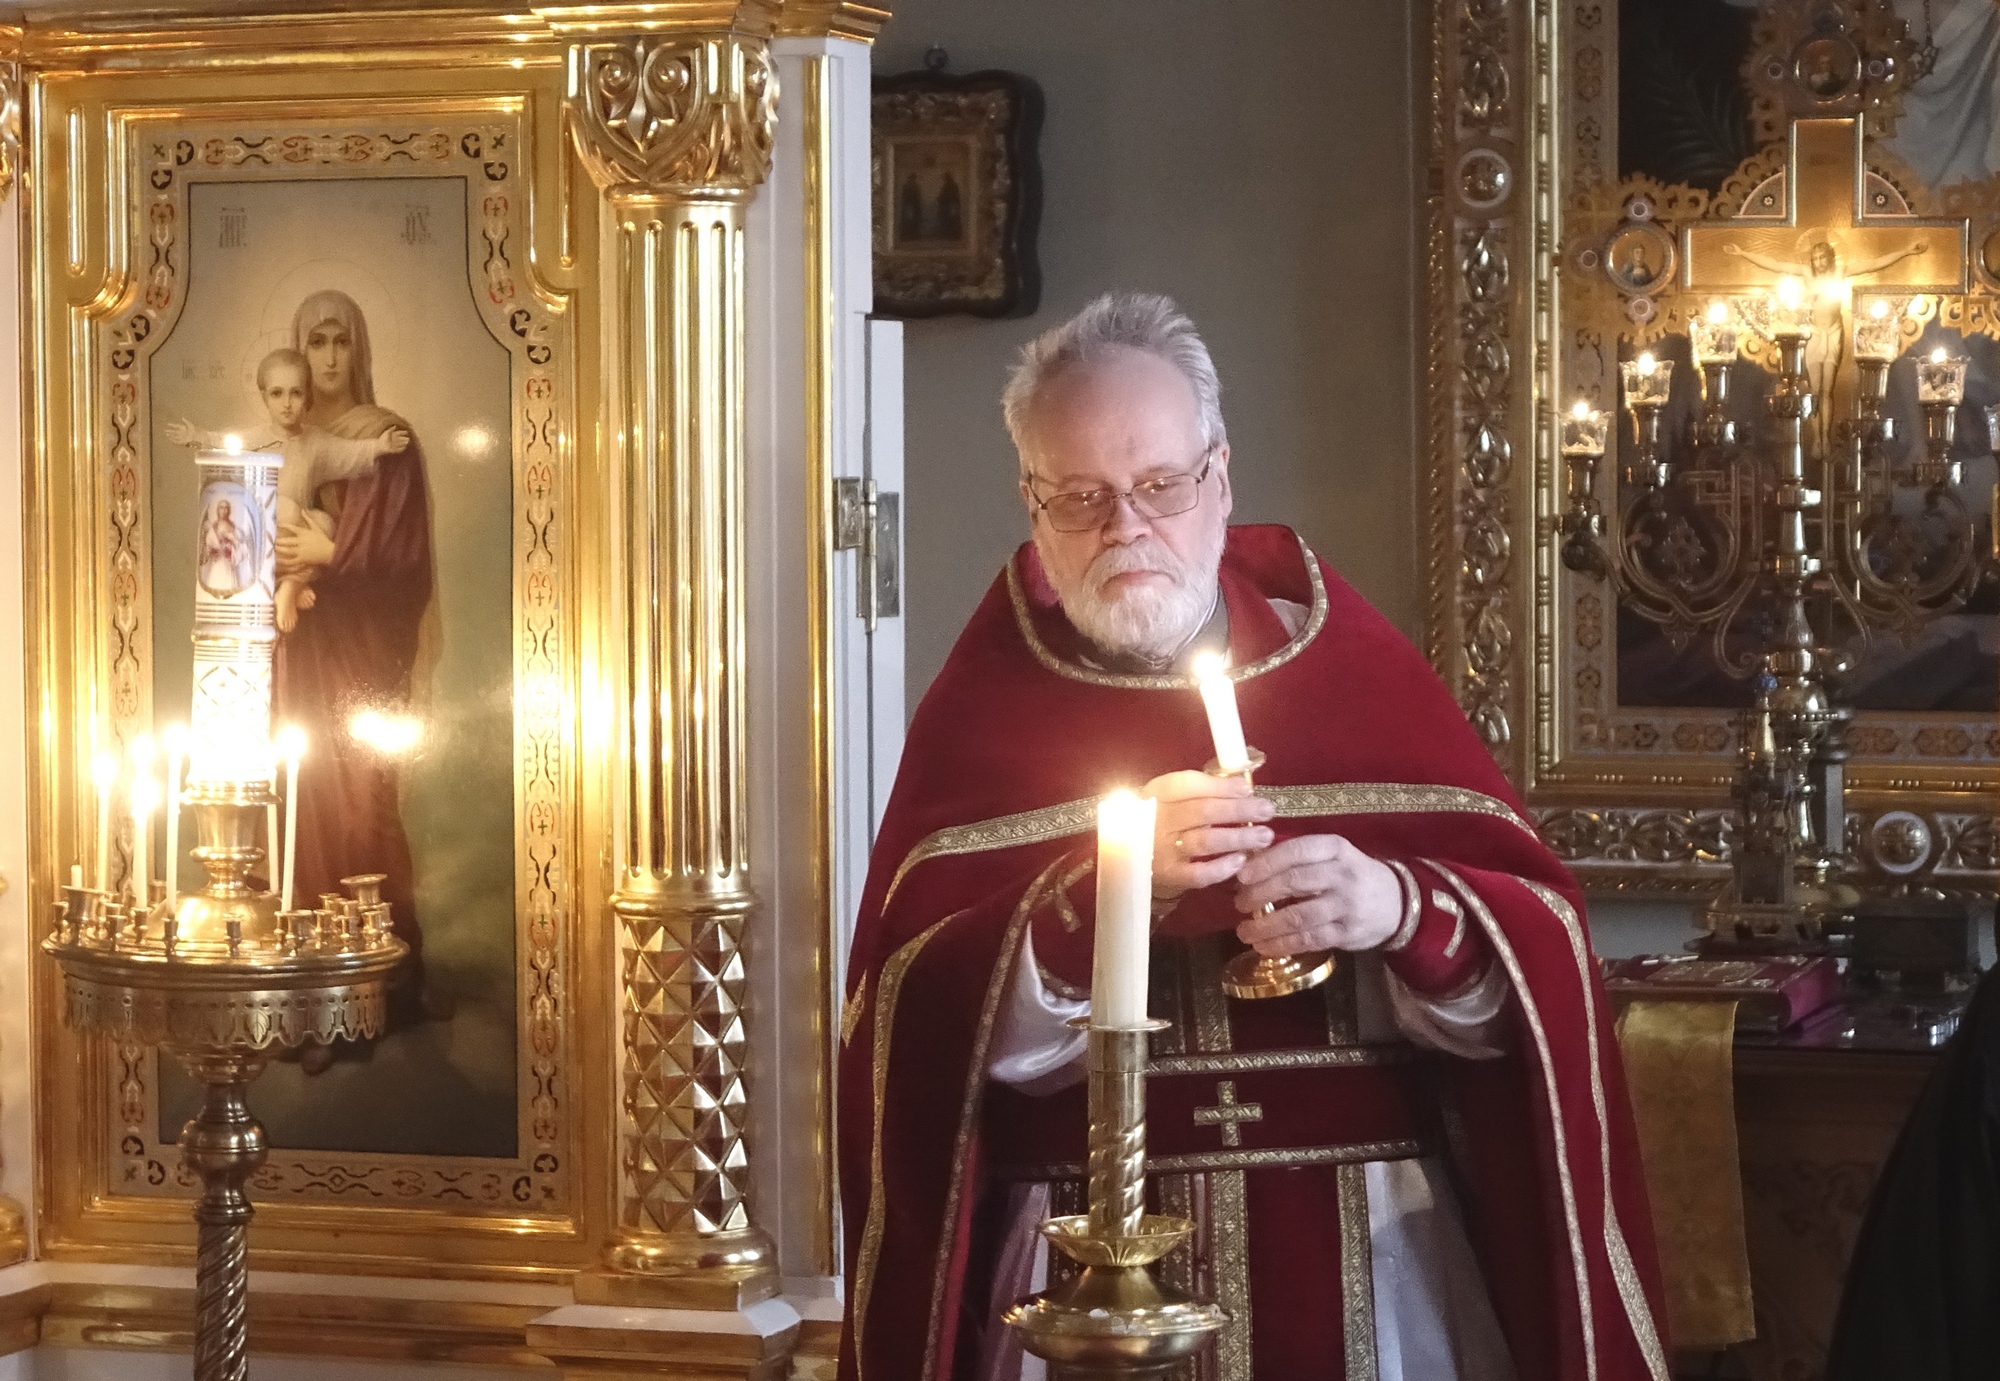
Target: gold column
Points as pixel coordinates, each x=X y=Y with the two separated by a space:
x=676 y=131
x=13 y=1222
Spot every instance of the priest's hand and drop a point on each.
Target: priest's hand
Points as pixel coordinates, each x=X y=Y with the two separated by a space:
x=1204 y=830
x=1329 y=895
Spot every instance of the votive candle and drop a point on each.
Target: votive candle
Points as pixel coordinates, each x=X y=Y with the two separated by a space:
x=293 y=744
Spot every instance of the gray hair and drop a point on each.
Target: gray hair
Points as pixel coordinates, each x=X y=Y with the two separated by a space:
x=1130 y=321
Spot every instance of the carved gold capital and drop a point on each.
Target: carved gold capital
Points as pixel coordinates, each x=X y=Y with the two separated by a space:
x=672 y=116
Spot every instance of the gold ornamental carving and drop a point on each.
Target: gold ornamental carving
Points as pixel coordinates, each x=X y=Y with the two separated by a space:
x=677 y=133
x=655 y=115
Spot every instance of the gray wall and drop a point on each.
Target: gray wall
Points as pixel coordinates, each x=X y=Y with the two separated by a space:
x=1256 y=162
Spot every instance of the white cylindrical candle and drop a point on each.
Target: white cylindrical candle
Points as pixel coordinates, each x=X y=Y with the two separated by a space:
x=272 y=858
x=145 y=795
x=1124 y=909
x=1225 y=725
x=293 y=742
x=104 y=775
x=176 y=763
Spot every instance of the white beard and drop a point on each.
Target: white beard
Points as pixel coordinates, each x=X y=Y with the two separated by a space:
x=1146 y=622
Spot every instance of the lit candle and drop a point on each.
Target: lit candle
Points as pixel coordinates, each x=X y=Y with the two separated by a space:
x=271 y=854
x=1875 y=335
x=1646 y=362
x=1124 y=909
x=104 y=773
x=292 y=742
x=144 y=796
x=1225 y=726
x=176 y=763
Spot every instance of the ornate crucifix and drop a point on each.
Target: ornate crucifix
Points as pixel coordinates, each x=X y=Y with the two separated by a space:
x=1826 y=230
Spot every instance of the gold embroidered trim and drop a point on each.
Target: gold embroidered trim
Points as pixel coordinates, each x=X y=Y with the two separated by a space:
x=1078 y=817
x=1196 y=1162
x=1389 y=798
x=871 y=1233
x=1003 y=832
x=1228 y=1199
x=1413 y=908
x=1457 y=913
x=1257 y=1061
x=1571 y=1220
x=1357 y=1273
x=1076 y=671
x=1631 y=1292
x=968 y=1113
x=852 y=1010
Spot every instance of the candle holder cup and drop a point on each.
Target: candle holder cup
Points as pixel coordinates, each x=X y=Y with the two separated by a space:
x=1254 y=975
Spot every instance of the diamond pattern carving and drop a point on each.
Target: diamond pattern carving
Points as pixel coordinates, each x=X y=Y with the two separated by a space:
x=683 y=1089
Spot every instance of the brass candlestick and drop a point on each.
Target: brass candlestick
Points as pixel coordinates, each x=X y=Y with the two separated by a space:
x=1254 y=975
x=219 y=982
x=1115 y=1319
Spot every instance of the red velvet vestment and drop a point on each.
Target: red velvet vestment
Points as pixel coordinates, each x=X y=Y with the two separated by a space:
x=991 y=820
x=355 y=650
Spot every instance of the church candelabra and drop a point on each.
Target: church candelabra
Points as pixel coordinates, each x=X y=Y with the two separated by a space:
x=224 y=977
x=1777 y=549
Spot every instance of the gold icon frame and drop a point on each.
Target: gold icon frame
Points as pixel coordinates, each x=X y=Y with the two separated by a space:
x=98 y=269
x=1521 y=140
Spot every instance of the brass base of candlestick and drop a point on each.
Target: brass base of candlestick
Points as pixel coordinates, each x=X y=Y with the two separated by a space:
x=1253 y=975
x=1115 y=1319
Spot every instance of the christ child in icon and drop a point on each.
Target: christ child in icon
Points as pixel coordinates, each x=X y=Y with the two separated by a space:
x=313 y=457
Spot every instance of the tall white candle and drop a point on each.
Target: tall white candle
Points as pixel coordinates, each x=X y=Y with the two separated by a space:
x=293 y=742
x=145 y=795
x=140 y=798
x=176 y=764
x=271 y=855
x=1225 y=725
x=1124 y=909
x=104 y=775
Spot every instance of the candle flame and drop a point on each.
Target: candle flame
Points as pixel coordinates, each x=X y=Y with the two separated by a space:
x=292 y=743
x=142 y=751
x=1937 y=355
x=145 y=796
x=1718 y=313
x=1646 y=362
x=1789 y=291
x=233 y=444
x=1208 y=665
x=1878 y=309
x=1581 y=410
x=104 y=771
x=392 y=735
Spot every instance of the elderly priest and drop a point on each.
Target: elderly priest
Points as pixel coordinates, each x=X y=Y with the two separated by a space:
x=1423 y=1168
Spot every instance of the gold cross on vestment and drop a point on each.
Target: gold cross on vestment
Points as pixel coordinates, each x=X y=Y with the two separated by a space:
x=1229 y=1113
x=1825 y=230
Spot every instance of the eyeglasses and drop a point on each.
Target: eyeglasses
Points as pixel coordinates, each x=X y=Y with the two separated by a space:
x=1090 y=509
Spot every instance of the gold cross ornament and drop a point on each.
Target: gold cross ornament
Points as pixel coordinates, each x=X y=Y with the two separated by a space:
x=1825 y=232
x=1228 y=1113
